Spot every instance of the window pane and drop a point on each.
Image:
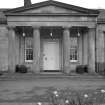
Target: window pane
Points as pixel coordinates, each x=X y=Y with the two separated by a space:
x=28 y=49
x=28 y=42
x=73 y=49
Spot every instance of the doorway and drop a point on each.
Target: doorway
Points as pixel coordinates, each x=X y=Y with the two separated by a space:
x=51 y=49
x=51 y=55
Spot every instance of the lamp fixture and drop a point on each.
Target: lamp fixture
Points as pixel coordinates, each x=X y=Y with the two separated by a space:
x=23 y=33
x=51 y=34
x=78 y=33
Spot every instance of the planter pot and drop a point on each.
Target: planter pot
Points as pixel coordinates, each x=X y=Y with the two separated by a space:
x=21 y=69
x=82 y=69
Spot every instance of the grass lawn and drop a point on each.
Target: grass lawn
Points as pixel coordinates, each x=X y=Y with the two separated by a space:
x=61 y=91
x=57 y=96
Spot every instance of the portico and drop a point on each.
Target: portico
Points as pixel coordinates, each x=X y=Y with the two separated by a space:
x=51 y=48
x=51 y=37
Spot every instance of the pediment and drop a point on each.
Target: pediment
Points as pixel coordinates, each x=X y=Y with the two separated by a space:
x=52 y=6
x=50 y=9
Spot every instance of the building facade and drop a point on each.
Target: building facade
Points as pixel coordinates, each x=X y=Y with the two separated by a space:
x=52 y=36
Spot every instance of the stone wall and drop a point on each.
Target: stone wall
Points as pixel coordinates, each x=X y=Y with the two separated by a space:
x=100 y=48
x=3 y=48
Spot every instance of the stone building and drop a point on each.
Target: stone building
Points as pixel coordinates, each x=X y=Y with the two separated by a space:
x=52 y=36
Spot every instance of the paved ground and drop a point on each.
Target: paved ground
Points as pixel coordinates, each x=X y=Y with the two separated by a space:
x=31 y=90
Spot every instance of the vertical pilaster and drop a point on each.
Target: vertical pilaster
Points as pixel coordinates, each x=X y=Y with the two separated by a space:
x=85 y=48
x=66 y=50
x=36 y=49
x=17 y=48
x=11 y=49
x=100 y=50
x=91 y=50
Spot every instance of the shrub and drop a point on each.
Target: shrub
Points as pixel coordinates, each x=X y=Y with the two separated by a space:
x=86 y=68
x=82 y=69
x=103 y=72
x=67 y=97
x=21 y=69
x=1 y=73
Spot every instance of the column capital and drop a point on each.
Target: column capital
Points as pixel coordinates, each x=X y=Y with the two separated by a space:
x=66 y=27
x=91 y=27
x=35 y=27
x=11 y=27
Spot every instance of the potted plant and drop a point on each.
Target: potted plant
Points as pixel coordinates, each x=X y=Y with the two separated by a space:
x=21 y=69
x=82 y=69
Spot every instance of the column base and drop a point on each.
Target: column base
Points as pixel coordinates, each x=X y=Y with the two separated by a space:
x=67 y=70
x=36 y=69
x=11 y=69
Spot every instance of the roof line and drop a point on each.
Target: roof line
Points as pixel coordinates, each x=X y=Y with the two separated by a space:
x=53 y=2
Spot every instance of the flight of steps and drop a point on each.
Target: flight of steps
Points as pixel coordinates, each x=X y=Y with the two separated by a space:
x=48 y=75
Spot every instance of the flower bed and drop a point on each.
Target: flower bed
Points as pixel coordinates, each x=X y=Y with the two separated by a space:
x=71 y=97
x=54 y=96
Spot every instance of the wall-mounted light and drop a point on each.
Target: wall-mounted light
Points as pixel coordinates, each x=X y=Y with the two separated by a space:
x=78 y=33
x=51 y=34
x=39 y=103
x=23 y=33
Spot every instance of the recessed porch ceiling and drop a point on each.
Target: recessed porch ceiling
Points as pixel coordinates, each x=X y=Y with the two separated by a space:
x=28 y=30
x=51 y=32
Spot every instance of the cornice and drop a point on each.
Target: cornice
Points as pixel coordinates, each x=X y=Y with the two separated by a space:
x=50 y=14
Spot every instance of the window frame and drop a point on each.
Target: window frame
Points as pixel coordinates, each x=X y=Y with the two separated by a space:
x=73 y=48
x=25 y=49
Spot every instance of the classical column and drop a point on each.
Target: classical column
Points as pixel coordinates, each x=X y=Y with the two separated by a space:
x=11 y=49
x=36 y=49
x=91 y=50
x=100 y=50
x=66 y=50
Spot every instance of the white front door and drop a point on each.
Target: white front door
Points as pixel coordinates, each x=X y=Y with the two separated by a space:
x=51 y=55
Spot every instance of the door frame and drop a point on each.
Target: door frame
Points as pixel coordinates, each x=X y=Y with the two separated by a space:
x=60 y=55
x=60 y=45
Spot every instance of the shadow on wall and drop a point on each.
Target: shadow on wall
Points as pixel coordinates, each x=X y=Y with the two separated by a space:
x=100 y=68
x=21 y=69
x=82 y=69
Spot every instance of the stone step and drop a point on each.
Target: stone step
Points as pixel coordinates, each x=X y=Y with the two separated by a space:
x=26 y=76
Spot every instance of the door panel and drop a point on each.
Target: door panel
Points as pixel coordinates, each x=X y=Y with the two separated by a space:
x=51 y=55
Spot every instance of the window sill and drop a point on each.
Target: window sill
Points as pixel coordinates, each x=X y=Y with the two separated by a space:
x=28 y=61
x=73 y=61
